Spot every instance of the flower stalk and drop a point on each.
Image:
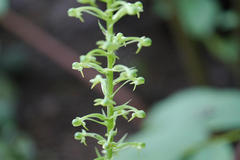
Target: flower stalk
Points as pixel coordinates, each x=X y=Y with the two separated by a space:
x=115 y=10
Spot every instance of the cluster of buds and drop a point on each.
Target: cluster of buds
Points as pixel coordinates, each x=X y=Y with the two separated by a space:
x=115 y=10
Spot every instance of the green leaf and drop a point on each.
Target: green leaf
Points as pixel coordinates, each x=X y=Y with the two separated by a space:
x=185 y=120
x=198 y=17
x=218 y=108
x=163 y=9
x=228 y=20
x=4 y=5
x=7 y=99
x=218 y=151
x=226 y=50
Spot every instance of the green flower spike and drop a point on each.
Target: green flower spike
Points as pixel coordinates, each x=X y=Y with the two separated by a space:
x=110 y=75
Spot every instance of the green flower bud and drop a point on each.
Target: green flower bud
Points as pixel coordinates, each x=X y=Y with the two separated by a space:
x=138 y=81
x=119 y=38
x=119 y=68
x=140 y=114
x=139 y=5
x=72 y=12
x=77 y=122
x=133 y=9
x=78 y=136
x=141 y=145
x=96 y=81
x=78 y=66
x=108 y=45
x=146 y=42
x=128 y=73
x=81 y=136
x=104 y=102
x=87 y=58
x=132 y=73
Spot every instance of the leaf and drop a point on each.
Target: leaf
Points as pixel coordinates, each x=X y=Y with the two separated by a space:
x=7 y=99
x=13 y=58
x=227 y=50
x=228 y=20
x=163 y=9
x=218 y=151
x=4 y=5
x=198 y=17
x=185 y=120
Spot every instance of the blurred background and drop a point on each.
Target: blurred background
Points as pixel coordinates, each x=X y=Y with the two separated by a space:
x=192 y=78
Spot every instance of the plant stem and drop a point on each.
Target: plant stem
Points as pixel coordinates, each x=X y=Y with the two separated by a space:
x=111 y=124
x=109 y=84
x=107 y=48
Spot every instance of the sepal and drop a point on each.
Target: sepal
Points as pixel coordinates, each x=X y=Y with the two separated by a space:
x=77 y=12
x=81 y=136
x=106 y=45
x=98 y=79
x=138 y=114
x=137 y=81
x=77 y=122
x=143 y=42
x=72 y=12
x=78 y=66
x=104 y=102
x=128 y=9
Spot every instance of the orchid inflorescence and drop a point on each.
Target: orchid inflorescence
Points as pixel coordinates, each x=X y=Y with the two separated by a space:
x=115 y=10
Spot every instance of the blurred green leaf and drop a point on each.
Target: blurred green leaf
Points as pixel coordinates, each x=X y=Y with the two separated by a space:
x=185 y=120
x=20 y=148
x=13 y=58
x=198 y=17
x=215 y=151
x=163 y=9
x=24 y=148
x=4 y=5
x=200 y=20
x=7 y=98
x=14 y=145
x=226 y=50
x=228 y=20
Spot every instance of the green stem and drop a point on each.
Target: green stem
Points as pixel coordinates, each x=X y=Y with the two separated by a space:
x=110 y=85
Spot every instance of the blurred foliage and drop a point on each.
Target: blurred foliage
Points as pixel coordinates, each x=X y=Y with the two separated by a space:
x=195 y=124
x=202 y=20
x=4 y=5
x=13 y=58
x=14 y=144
